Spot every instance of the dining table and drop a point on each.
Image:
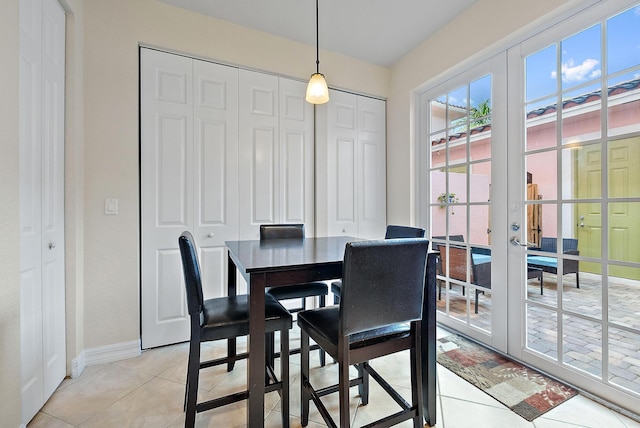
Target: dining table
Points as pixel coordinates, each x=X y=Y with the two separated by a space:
x=283 y=262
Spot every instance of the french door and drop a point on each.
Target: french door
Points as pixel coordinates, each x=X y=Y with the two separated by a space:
x=575 y=182
x=533 y=200
x=465 y=147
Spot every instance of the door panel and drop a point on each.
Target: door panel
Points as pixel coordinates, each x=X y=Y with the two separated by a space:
x=296 y=134
x=42 y=249
x=259 y=155
x=189 y=154
x=167 y=192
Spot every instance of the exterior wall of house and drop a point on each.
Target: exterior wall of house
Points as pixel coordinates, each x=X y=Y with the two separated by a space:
x=466 y=37
x=9 y=219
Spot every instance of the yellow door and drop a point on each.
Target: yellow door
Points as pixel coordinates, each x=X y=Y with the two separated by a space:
x=623 y=217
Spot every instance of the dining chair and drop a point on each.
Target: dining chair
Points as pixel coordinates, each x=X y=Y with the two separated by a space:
x=393 y=232
x=298 y=291
x=224 y=318
x=379 y=314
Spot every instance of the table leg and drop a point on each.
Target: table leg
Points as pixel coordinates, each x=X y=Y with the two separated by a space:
x=231 y=291
x=255 y=371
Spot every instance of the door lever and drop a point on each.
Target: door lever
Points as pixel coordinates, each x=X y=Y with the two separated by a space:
x=516 y=242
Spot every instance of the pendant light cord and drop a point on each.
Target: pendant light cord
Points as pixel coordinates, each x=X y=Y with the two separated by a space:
x=317 y=41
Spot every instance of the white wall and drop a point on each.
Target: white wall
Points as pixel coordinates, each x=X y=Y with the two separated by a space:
x=486 y=24
x=9 y=219
x=113 y=30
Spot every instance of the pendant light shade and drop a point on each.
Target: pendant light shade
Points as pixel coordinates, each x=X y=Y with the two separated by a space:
x=317 y=90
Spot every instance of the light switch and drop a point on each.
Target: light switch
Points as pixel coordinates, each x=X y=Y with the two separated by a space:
x=111 y=206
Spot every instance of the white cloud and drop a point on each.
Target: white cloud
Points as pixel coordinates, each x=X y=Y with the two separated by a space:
x=580 y=72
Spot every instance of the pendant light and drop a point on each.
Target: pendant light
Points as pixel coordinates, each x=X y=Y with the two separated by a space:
x=317 y=90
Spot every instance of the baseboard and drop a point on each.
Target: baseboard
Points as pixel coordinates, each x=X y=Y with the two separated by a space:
x=77 y=365
x=111 y=353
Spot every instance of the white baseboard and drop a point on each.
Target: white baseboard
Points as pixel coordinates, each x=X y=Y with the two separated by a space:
x=111 y=353
x=77 y=365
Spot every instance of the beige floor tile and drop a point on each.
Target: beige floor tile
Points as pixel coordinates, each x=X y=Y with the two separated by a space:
x=586 y=413
x=93 y=393
x=157 y=360
x=42 y=420
x=462 y=414
x=155 y=404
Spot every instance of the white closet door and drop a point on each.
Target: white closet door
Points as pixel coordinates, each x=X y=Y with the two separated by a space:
x=189 y=156
x=259 y=167
x=371 y=167
x=42 y=57
x=296 y=155
x=167 y=192
x=216 y=171
x=31 y=208
x=342 y=164
x=351 y=159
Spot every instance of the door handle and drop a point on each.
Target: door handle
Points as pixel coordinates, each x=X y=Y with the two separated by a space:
x=516 y=242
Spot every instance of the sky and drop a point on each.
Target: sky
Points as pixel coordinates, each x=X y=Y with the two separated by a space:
x=581 y=58
x=580 y=67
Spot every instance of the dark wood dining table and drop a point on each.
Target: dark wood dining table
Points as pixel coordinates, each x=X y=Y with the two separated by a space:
x=282 y=262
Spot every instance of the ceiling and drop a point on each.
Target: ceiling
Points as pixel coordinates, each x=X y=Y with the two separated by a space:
x=376 y=31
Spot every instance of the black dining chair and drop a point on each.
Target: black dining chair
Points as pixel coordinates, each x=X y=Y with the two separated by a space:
x=379 y=314
x=393 y=232
x=298 y=291
x=224 y=318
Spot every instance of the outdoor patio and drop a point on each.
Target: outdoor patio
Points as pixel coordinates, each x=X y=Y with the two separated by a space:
x=582 y=347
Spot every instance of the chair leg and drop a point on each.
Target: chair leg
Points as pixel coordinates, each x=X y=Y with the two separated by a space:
x=231 y=352
x=417 y=393
x=270 y=351
x=363 y=388
x=577 y=280
x=343 y=383
x=336 y=299
x=284 y=376
x=321 y=351
x=193 y=369
x=305 y=396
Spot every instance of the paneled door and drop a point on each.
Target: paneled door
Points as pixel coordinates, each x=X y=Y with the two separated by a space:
x=42 y=279
x=189 y=152
x=351 y=154
x=276 y=153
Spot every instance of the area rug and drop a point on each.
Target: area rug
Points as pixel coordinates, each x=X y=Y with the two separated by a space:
x=523 y=390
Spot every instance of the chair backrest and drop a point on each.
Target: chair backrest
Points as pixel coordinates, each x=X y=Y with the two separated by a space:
x=551 y=244
x=281 y=231
x=394 y=231
x=191 y=270
x=457 y=238
x=457 y=257
x=382 y=283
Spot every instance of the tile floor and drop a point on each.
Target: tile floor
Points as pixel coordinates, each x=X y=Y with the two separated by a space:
x=148 y=391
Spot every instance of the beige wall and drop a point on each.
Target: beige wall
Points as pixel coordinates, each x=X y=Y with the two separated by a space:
x=113 y=30
x=9 y=220
x=480 y=28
